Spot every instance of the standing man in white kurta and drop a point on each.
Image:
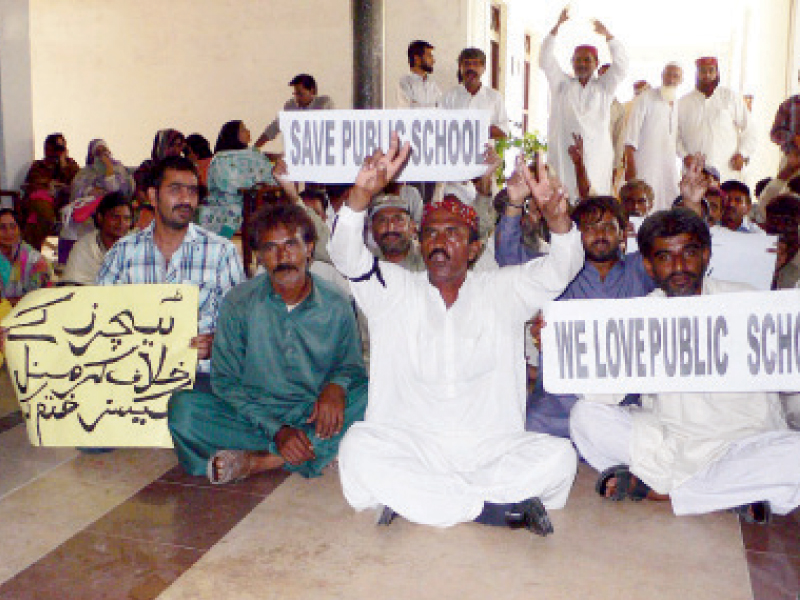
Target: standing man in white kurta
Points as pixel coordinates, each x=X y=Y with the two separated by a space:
x=701 y=451
x=713 y=120
x=417 y=89
x=444 y=440
x=581 y=105
x=651 y=138
x=471 y=93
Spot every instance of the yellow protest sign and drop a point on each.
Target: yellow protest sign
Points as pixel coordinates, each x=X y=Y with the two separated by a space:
x=96 y=365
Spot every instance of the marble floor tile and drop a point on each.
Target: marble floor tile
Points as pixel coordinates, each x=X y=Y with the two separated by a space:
x=39 y=516
x=89 y=567
x=774 y=576
x=304 y=541
x=782 y=536
x=193 y=517
x=259 y=485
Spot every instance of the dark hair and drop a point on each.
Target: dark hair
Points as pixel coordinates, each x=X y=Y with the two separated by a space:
x=10 y=211
x=669 y=223
x=199 y=145
x=736 y=186
x=175 y=163
x=472 y=53
x=784 y=205
x=417 y=48
x=761 y=185
x=306 y=80
x=335 y=190
x=228 y=138
x=110 y=201
x=291 y=216
x=632 y=184
x=52 y=139
x=794 y=185
x=593 y=208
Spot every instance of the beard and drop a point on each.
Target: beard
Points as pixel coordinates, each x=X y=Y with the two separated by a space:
x=601 y=253
x=427 y=68
x=681 y=284
x=394 y=243
x=668 y=92
x=707 y=87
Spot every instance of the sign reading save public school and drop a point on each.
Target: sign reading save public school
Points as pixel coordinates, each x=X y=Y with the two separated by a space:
x=328 y=146
x=736 y=342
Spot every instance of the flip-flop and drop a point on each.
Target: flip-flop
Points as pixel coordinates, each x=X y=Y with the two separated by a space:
x=228 y=466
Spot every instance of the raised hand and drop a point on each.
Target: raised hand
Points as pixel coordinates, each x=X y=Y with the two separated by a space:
x=376 y=173
x=562 y=18
x=575 y=151
x=693 y=185
x=601 y=29
x=550 y=196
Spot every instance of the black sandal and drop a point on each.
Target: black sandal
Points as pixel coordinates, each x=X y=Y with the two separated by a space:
x=755 y=513
x=628 y=486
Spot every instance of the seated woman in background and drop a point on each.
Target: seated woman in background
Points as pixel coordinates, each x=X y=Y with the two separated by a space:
x=235 y=166
x=198 y=150
x=101 y=175
x=47 y=188
x=168 y=142
x=22 y=268
x=113 y=219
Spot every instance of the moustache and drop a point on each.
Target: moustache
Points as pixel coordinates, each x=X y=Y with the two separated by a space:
x=178 y=207
x=284 y=267
x=390 y=235
x=433 y=253
x=470 y=72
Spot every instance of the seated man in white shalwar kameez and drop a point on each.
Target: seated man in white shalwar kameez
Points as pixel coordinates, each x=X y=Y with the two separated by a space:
x=444 y=438
x=702 y=451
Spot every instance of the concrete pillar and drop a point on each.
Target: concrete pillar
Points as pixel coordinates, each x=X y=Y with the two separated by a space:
x=16 y=112
x=368 y=37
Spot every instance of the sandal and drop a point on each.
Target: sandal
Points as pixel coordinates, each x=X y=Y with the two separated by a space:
x=628 y=486
x=227 y=466
x=756 y=513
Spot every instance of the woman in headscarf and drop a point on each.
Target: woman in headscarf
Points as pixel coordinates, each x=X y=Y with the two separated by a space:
x=102 y=174
x=47 y=188
x=235 y=166
x=168 y=142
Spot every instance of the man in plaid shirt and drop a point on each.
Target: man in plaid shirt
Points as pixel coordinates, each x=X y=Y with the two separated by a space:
x=175 y=250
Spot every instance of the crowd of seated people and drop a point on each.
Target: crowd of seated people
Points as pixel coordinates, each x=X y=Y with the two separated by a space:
x=448 y=289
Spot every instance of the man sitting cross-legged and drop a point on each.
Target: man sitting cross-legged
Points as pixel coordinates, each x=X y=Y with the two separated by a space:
x=702 y=451
x=443 y=441
x=286 y=372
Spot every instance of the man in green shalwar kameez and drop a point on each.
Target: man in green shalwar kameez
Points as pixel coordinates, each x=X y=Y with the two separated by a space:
x=287 y=374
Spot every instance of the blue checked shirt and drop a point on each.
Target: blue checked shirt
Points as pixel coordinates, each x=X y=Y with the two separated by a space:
x=203 y=258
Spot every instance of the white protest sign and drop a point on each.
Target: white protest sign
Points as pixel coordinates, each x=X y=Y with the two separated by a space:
x=328 y=146
x=735 y=256
x=737 y=342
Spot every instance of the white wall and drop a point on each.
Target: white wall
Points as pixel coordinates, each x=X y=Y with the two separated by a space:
x=16 y=121
x=442 y=24
x=121 y=70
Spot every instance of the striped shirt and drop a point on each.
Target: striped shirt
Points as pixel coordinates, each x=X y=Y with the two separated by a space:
x=203 y=258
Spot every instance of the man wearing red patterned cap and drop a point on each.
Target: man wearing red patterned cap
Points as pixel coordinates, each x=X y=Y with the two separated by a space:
x=581 y=105
x=444 y=440
x=713 y=120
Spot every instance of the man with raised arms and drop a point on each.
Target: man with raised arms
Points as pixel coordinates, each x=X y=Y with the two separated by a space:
x=443 y=441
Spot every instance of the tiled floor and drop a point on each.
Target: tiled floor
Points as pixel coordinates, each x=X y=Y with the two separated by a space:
x=131 y=525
